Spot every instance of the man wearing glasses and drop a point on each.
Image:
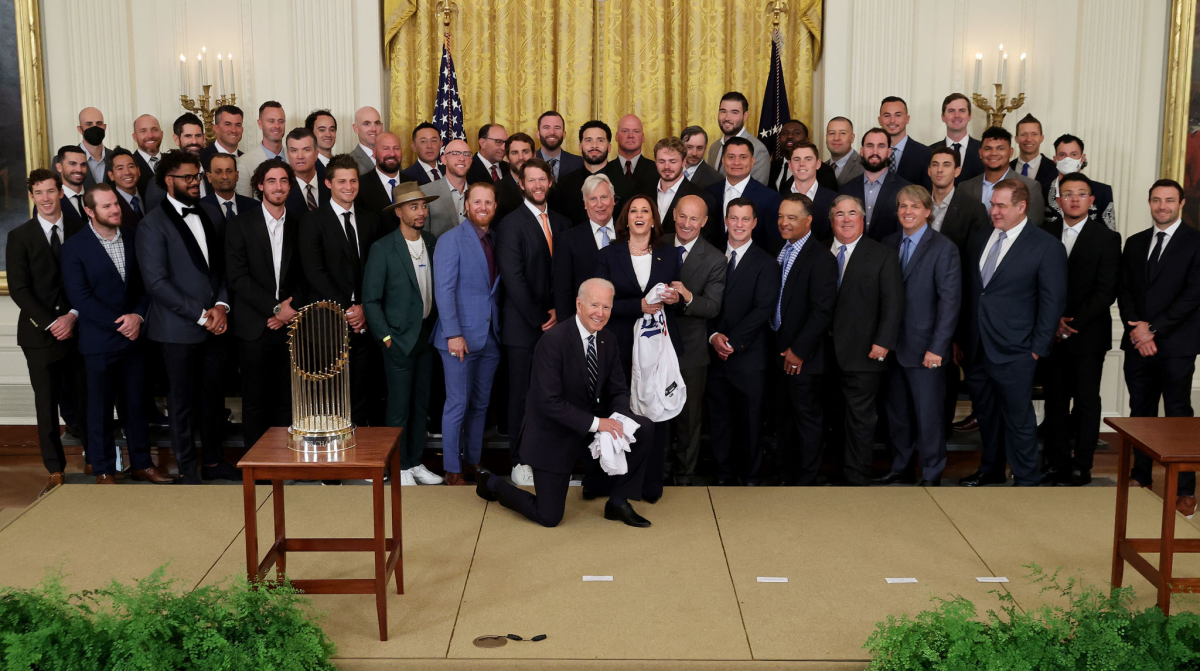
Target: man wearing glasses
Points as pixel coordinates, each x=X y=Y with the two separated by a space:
x=182 y=261
x=489 y=164
x=448 y=210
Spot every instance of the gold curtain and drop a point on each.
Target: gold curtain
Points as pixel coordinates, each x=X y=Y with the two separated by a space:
x=668 y=61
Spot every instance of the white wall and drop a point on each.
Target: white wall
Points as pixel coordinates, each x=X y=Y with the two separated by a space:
x=1096 y=69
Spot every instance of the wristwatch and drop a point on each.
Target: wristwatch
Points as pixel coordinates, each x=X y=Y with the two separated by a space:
x=277 y=310
x=1150 y=328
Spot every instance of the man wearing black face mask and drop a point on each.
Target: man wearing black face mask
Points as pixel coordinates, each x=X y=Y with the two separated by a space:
x=1069 y=158
x=878 y=186
x=92 y=127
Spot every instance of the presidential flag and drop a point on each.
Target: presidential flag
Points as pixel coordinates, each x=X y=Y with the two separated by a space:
x=447 y=110
x=775 y=111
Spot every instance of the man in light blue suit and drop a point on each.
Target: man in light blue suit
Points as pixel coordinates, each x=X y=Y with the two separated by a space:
x=467 y=292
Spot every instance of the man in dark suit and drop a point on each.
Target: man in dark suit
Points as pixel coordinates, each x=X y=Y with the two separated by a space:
x=932 y=274
x=222 y=171
x=594 y=141
x=1159 y=300
x=843 y=160
x=335 y=240
x=268 y=286
x=697 y=170
x=124 y=174
x=524 y=250
x=102 y=279
x=956 y=114
x=737 y=158
x=701 y=287
x=71 y=165
x=865 y=327
x=180 y=251
x=1084 y=336
x=509 y=195
x=738 y=336
x=1030 y=161
x=551 y=130
x=800 y=321
x=636 y=168
x=427 y=145
x=792 y=133
x=488 y=163
x=670 y=186
x=910 y=159
x=1069 y=158
x=569 y=405
x=995 y=151
x=804 y=164
x=1014 y=291
x=188 y=133
x=227 y=125
x=576 y=249
x=308 y=179
x=876 y=189
x=47 y=322
x=148 y=136
x=376 y=185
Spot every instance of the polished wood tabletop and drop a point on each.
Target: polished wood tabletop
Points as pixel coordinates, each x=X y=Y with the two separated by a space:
x=1164 y=439
x=374 y=444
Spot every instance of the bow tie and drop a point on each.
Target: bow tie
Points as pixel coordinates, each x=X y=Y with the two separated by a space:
x=190 y=210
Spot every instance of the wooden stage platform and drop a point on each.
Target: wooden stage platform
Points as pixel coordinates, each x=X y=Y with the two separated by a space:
x=685 y=593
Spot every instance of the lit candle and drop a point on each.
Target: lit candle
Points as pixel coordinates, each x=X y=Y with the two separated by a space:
x=204 y=75
x=183 y=82
x=220 y=76
x=200 y=72
x=978 y=71
x=1022 y=73
x=999 y=60
x=1004 y=74
x=232 y=86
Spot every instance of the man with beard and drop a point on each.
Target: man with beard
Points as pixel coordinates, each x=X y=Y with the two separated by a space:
x=671 y=187
x=488 y=165
x=123 y=173
x=266 y=297
x=189 y=137
x=792 y=133
x=104 y=283
x=995 y=151
x=377 y=183
x=92 y=128
x=71 y=164
x=273 y=123
x=525 y=248
x=697 y=171
x=179 y=248
x=398 y=301
x=324 y=128
x=910 y=159
x=449 y=209
x=148 y=136
x=731 y=117
x=467 y=293
x=227 y=126
x=509 y=195
x=634 y=166
x=308 y=186
x=367 y=126
x=551 y=128
x=594 y=139
x=222 y=171
x=878 y=186
x=576 y=248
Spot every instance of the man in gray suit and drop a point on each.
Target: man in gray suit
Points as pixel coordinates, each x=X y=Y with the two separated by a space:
x=181 y=256
x=448 y=210
x=367 y=126
x=92 y=128
x=996 y=151
x=731 y=117
x=839 y=139
x=701 y=290
x=272 y=121
x=551 y=129
x=696 y=170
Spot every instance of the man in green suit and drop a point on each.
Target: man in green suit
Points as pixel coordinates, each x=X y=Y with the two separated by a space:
x=398 y=301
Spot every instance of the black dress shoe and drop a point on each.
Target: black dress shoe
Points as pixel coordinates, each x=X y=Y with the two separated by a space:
x=725 y=481
x=589 y=495
x=481 y=489
x=625 y=513
x=220 y=471
x=652 y=499
x=978 y=479
x=1055 y=476
x=892 y=478
x=968 y=423
x=931 y=483
x=1080 y=478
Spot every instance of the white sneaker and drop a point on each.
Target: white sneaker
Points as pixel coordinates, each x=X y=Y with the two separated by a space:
x=424 y=476
x=406 y=479
x=522 y=475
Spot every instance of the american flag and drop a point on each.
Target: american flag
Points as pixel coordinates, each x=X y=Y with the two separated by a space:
x=447 y=110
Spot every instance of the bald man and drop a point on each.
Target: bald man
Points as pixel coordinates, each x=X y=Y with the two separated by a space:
x=375 y=185
x=636 y=168
x=148 y=135
x=367 y=126
x=92 y=128
x=448 y=210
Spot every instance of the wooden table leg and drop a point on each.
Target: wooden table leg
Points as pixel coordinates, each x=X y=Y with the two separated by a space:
x=397 y=524
x=1124 y=451
x=280 y=530
x=249 y=500
x=1167 y=554
x=380 y=552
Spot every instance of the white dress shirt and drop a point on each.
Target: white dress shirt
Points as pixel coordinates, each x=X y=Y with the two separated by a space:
x=368 y=151
x=196 y=228
x=421 y=264
x=741 y=250
x=429 y=169
x=383 y=179
x=665 y=197
x=46 y=227
x=221 y=204
x=837 y=245
x=487 y=165
x=150 y=160
x=1033 y=165
x=625 y=161
x=338 y=210
x=962 y=148
x=612 y=232
x=812 y=190
x=1008 y=243
x=733 y=191
x=584 y=334
x=1170 y=231
x=76 y=198
x=688 y=173
x=221 y=148
x=275 y=233
x=1071 y=233
x=687 y=246
x=323 y=159
x=316 y=189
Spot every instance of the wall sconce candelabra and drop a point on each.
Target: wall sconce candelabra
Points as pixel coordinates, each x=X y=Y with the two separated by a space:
x=1001 y=105
x=205 y=105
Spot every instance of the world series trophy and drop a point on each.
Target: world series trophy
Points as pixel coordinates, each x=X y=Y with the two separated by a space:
x=319 y=346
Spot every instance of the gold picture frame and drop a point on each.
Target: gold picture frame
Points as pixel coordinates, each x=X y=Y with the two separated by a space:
x=1177 y=106
x=28 y=28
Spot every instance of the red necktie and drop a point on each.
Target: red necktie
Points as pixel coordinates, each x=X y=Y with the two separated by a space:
x=629 y=169
x=495 y=174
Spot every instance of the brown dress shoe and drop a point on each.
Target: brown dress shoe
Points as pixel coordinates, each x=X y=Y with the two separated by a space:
x=154 y=475
x=1186 y=506
x=455 y=479
x=105 y=479
x=87 y=469
x=968 y=424
x=55 y=480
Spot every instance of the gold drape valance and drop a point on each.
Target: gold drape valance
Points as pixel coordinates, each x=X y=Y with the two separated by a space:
x=668 y=61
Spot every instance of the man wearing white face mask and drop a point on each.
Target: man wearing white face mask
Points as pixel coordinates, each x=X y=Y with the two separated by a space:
x=1069 y=158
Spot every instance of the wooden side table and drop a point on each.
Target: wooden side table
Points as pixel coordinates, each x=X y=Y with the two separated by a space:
x=1172 y=442
x=270 y=459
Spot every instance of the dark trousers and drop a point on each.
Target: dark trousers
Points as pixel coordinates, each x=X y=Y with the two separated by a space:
x=408 y=379
x=367 y=389
x=684 y=449
x=195 y=400
x=1150 y=379
x=547 y=505
x=800 y=429
x=109 y=377
x=520 y=365
x=266 y=383
x=915 y=413
x=953 y=383
x=1072 y=375
x=735 y=412
x=1002 y=394
x=51 y=370
x=859 y=415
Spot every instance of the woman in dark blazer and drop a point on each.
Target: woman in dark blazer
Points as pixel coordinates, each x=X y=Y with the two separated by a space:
x=638 y=259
